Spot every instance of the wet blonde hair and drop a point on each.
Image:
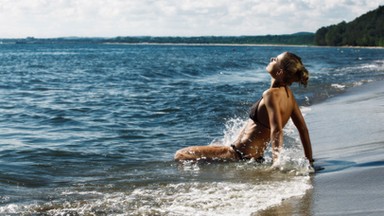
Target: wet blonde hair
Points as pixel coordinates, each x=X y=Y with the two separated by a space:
x=294 y=69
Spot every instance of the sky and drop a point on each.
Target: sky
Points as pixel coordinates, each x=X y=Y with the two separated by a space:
x=112 y=18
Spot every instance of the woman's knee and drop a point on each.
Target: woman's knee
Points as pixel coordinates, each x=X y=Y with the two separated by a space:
x=183 y=154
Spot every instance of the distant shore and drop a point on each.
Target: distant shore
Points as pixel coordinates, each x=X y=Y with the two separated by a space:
x=206 y=44
x=301 y=38
x=228 y=44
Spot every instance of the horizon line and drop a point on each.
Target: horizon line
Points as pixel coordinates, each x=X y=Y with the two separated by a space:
x=138 y=36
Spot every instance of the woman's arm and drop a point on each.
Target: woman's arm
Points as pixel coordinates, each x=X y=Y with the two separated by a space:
x=298 y=120
x=272 y=99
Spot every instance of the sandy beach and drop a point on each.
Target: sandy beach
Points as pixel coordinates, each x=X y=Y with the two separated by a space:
x=348 y=144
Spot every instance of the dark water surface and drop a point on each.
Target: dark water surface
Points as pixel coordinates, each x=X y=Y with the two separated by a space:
x=92 y=129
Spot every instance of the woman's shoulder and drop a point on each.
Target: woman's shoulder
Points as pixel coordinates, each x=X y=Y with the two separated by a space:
x=271 y=92
x=277 y=94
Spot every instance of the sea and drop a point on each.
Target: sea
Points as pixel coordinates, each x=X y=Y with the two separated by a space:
x=91 y=129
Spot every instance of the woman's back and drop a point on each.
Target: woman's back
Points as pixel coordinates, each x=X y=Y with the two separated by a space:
x=286 y=103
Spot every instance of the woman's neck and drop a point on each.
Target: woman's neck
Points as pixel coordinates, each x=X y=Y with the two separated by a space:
x=277 y=83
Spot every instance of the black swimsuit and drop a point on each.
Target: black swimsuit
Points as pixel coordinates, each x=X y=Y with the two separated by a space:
x=240 y=155
x=253 y=114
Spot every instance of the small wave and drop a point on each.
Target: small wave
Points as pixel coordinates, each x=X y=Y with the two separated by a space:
x=338 y=86
x=375 y=65
x=195 y=198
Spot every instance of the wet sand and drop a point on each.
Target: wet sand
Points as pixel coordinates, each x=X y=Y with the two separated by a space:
x=348 y=144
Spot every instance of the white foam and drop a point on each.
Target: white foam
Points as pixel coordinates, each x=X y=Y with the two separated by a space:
x=376 y=65
x=10 y=209
x=338 y=86
x=218 y=198
x=195 y=198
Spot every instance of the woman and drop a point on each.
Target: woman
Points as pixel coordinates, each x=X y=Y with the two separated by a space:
x=268 y=116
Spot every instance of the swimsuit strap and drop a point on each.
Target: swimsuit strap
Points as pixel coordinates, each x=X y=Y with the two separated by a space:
x=286 y=90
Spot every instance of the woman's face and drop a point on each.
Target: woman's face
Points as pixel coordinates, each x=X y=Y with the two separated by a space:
x=274 y=64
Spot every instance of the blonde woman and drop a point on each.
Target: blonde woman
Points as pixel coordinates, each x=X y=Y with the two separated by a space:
x=267 y=118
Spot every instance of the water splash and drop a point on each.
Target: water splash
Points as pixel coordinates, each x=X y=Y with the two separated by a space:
x=292 y=157
x=233 y=127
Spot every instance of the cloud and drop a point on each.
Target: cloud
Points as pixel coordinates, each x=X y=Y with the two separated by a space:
x=46 y=18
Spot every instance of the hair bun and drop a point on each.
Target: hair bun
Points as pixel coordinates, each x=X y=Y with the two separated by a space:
x=304 y=76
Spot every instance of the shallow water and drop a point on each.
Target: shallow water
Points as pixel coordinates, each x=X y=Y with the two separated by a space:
x=92 y=129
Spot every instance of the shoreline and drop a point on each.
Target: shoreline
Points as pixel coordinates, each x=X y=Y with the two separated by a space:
x=350 y=183
x=245 y=45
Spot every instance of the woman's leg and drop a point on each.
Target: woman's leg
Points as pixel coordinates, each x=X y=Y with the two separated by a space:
x=251 y=143
x=206 y=153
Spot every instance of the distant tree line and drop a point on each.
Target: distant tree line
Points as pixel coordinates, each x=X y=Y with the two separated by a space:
x=292 y=39
x=303 y=38
x=366 y=30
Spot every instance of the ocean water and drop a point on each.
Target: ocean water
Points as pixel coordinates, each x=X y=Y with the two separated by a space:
x=92 y=129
